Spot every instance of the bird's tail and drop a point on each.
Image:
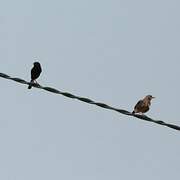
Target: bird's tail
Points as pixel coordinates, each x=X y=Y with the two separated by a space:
x=30 y=86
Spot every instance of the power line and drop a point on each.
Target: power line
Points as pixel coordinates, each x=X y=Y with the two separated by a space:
x=89 y=101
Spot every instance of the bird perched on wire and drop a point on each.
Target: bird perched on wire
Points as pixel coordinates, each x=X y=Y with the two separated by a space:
x=35 y=73
x=143 y=105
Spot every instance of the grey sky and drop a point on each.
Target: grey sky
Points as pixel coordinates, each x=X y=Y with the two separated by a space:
x=111 y=51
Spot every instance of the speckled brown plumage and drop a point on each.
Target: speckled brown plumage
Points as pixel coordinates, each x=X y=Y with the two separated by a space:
x=143 y=105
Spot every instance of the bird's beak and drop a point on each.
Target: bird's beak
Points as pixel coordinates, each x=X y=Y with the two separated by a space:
x=153 y=97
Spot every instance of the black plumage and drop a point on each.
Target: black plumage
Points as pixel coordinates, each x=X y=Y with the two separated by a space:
x=35 y=73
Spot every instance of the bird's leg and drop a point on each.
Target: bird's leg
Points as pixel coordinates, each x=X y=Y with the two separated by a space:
x=36 y=82
x=143 y=114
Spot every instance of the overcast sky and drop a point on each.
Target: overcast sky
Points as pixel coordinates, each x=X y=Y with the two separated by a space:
x=113 y=51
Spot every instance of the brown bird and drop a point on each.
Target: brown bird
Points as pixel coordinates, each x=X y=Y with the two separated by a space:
x=143 y=105
x=35 y=73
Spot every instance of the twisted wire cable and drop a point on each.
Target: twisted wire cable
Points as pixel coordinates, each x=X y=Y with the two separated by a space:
x=89 y=101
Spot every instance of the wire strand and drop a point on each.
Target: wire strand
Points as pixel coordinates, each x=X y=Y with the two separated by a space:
x=89 y=101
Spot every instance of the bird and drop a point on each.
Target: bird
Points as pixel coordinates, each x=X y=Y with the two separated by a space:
x=35 y=73
x=143 y=105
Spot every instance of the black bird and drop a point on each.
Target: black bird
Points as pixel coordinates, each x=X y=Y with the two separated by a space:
x=35 y=73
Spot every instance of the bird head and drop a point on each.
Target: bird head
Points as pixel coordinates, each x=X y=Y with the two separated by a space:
x=36 y=63
x=149 y=97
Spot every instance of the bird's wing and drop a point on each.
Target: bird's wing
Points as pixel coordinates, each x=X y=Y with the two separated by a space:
x=139 y=104
x=35 y=72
